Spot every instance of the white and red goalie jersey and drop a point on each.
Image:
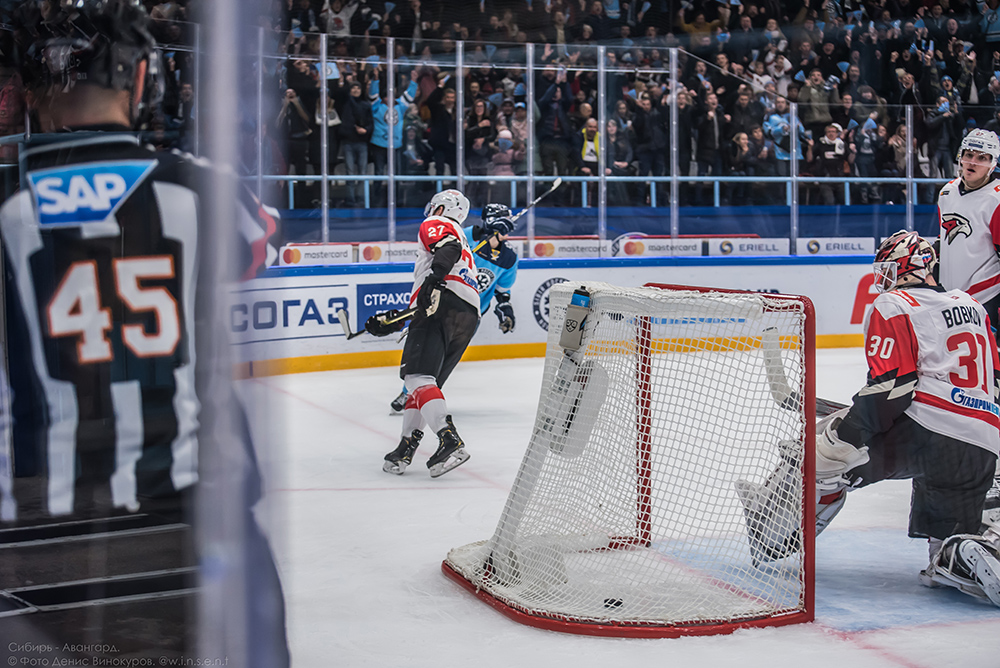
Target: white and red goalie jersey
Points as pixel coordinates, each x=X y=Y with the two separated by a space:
x=931 y=355
x=435 y=233
x=970 y=239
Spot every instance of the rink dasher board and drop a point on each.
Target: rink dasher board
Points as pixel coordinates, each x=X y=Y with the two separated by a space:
x=286 y=322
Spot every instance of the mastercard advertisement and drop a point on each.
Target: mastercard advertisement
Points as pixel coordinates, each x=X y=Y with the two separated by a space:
x=383 y=251
x=304 y=255
x=578 y=247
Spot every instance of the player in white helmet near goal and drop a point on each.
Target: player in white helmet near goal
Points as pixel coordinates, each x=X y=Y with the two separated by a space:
x=446 y=295
x=927 y=413
x=969 y=210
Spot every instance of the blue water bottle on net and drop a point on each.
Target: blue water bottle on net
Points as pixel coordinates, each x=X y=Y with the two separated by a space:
x=576 y=316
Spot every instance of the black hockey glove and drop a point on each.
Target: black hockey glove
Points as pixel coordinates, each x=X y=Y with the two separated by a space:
x=376 y=325
x=505 y=313
x=430 y=293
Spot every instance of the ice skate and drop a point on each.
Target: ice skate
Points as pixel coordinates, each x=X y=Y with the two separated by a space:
x=983 y=566
x=399 y=403
x=450 y=453
x=397 y=460
x=968 y=563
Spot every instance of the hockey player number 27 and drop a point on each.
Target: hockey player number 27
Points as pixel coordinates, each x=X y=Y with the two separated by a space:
x=973 y=351
x=75 y=308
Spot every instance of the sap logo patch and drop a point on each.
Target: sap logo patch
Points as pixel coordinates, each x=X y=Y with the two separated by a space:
x=80 y=194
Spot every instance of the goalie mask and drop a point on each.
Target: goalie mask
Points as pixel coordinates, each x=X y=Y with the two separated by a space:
x=905 y=258
x=64 y=43
x=456 y=205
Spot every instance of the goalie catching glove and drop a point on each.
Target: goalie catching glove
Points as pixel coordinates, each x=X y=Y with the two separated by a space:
x=504 y=312
x=376 y=325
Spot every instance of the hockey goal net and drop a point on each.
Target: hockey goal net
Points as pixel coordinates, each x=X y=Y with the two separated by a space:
x=624 y=518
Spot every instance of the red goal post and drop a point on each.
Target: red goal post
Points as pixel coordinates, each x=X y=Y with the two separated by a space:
x=624 y=518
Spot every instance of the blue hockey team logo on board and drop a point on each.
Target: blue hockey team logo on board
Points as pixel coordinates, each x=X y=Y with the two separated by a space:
x=81 y=194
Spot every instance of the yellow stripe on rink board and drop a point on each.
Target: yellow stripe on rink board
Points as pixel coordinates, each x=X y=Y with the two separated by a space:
x=289 y=365
x=840 y=340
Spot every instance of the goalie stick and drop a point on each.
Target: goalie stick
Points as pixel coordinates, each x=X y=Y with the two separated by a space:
x=781 y=390
x=770 y=509
x=345 y=320
x=555 y=184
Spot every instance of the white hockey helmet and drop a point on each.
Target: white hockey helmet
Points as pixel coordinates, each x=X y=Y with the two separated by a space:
x=903 y=258
x=983 y=141
x=456 y=205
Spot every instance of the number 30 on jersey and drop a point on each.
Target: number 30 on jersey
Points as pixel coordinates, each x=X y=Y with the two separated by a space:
x=881 y=347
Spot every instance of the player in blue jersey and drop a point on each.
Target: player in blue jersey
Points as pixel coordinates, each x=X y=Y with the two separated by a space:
x=496 y=265
x=496 y=262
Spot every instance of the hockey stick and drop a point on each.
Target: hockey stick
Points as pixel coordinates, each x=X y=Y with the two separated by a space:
x=555 y=184
x=345 y=320
x=781 y=390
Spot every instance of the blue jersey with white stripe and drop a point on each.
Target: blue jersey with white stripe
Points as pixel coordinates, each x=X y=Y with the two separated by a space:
x=496 y=270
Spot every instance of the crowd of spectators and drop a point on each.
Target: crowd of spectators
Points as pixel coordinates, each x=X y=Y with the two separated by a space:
x=852 y=68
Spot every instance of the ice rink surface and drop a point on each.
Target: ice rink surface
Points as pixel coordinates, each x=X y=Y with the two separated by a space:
x=360 y=550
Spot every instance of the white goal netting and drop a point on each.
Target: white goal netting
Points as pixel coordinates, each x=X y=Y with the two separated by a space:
x=625 y=511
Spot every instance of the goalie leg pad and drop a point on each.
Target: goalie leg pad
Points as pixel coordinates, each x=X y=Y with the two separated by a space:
x=991 y=510
x=827 y=507
x=772 y=510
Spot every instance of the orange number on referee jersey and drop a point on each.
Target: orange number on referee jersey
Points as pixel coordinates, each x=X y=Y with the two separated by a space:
x=75 y=309
x=973 y=350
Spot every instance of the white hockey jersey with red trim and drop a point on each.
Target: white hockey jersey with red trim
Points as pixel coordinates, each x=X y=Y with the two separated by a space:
x=939 y=346
x=970 y=234
x=462 y=278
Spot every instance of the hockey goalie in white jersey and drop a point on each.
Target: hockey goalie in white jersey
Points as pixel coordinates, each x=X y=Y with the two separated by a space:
x=928 y=413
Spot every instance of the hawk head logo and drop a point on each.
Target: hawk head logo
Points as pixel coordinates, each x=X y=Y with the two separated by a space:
x=954 y=224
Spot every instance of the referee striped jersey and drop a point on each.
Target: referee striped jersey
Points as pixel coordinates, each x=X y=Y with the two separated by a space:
x=103 y=246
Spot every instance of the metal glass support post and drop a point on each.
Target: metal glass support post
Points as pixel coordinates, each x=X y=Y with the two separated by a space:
x=199 y=126
x=529 y=105
x=793 y=163
x=324 y=138
x=223 y=622
x=602 y=138
x=911 y=188
x=460 y=116
x=260 y=114
x=675 y=139
x=392 y=115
